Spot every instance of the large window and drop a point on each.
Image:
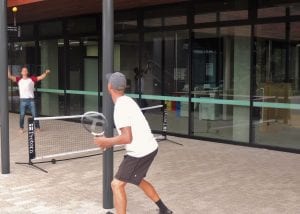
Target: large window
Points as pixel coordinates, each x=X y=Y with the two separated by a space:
x=277 y=85
x=221 y=83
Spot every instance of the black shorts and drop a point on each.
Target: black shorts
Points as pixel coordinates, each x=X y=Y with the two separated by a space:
x=133 y=170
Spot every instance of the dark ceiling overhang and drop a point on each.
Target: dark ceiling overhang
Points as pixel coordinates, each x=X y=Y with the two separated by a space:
x=12 y=3
x=36 y=10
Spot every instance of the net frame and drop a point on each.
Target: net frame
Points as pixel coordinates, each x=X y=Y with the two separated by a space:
x=32 y=153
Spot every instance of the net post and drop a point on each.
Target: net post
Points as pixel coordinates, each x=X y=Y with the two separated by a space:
x=31 y=139
x=165 y=125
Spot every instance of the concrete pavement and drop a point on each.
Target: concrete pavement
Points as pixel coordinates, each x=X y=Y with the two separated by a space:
x=198 y=177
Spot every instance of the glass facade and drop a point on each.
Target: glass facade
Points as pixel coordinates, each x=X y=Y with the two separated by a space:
x=226 y=70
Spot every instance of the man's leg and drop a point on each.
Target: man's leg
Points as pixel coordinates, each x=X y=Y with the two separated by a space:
x=119 y=194
x=152 y=194
x=149 y=190
x=34 y=113
x=22 y=114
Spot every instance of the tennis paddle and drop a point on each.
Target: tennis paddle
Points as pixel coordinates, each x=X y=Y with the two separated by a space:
x=94 y=122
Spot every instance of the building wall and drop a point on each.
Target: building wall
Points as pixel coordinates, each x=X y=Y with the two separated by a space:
x=226 y=72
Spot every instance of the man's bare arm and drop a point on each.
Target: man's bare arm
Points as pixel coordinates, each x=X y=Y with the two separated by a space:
x=44 y=75
x=124 y=138
x=10 y=76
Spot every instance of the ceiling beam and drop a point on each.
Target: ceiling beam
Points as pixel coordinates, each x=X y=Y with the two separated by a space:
x=13 y=3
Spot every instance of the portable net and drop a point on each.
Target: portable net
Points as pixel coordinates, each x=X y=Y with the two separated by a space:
x=64 y=137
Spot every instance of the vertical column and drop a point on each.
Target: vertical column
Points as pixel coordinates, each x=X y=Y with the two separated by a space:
x=108 y=66
x=49 y=60
x=4 y=90
x=241 y=88
x=297 y=67
x=227 y=74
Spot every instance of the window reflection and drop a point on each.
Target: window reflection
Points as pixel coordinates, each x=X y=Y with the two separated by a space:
x=126 y=58
x=82 y=25
x=50 y=28
x=221 y=87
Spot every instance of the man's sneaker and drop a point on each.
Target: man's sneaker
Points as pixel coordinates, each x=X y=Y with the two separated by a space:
x=165 y=211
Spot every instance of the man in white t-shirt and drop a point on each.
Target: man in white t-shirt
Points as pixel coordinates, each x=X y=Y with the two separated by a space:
x=26 y=92
x=141 y=146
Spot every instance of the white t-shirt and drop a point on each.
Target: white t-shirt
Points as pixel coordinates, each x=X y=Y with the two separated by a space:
x=26 y=87
x=128 y=114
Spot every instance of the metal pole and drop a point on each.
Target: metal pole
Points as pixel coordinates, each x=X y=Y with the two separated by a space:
x=4 y=90
x=108 y=66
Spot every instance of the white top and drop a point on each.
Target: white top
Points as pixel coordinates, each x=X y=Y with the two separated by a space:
x=26 y=87
x=128 y=114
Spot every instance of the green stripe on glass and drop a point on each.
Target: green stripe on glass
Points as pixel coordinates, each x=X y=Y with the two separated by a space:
x=49 y=90
x=165 y=98
x=277 y=105
x=203 y=100
x=77 y=92
x=221 y=101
